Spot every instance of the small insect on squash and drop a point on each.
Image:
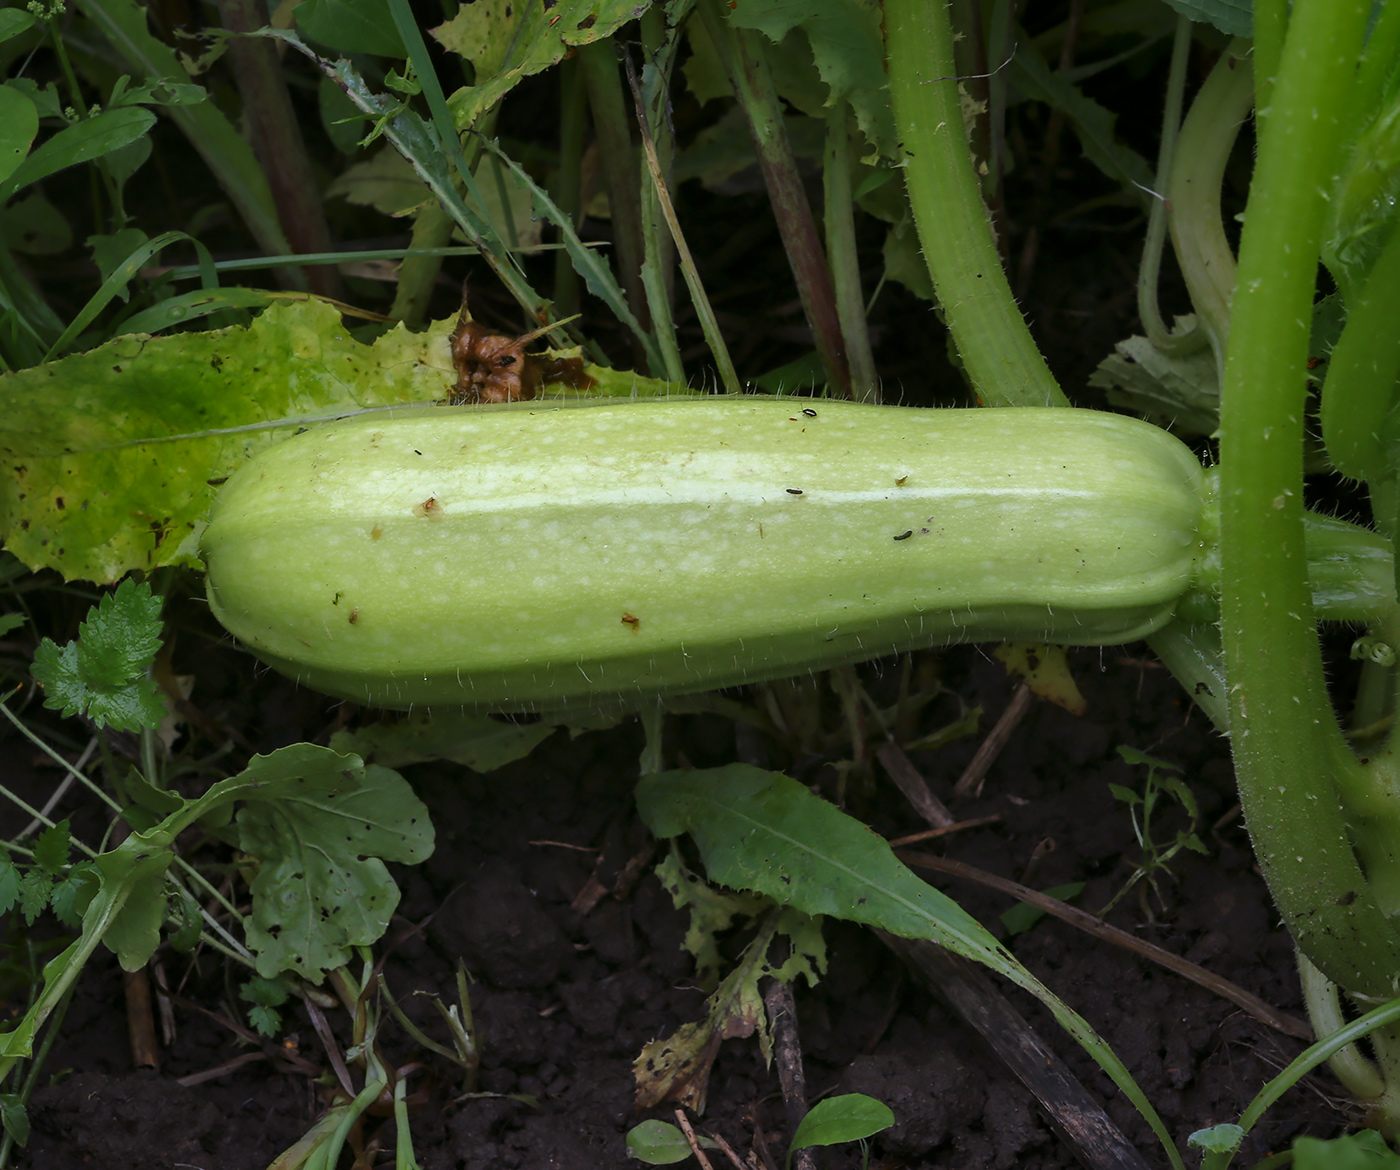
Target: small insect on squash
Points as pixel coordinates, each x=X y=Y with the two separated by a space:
x=492 y=367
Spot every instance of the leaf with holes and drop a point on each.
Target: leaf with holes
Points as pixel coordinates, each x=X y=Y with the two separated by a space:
x=322 y=826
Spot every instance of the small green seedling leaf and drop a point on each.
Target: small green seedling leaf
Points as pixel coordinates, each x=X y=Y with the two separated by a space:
x=103 y=674
x=1022 y=916
x=186 y=919
x=266 y=996
x=9 y=882
x=10 y=621
x=70 y=896
x=848 y=1118
x=1366 y=1150
x=34 y=890
x=1218 y=1139
x=14 y=1118
x=14 y=21
x=51 y=848
x=659 y=1143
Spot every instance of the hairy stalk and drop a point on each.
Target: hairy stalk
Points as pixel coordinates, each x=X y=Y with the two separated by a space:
x=1289 y=752
x=839 y=214
x=618 y=161
x=573 y=97
x=1150 y=268
x=1198 y=235
x=993 y=340
x=278 y=144
x=742 y=54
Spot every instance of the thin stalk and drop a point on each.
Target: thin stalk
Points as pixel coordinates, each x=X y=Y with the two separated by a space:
x=1150 y=268
x=36 y=1065
x=1290 y=755
x=618 y=161
x=659 y=44
x=839 y=214
x=1270 y=27
x=432 y=230
x=276 y=138
x=573 y=109
x=703 y=310
x=1208 y=136
x=742 y=55
x=996 y=347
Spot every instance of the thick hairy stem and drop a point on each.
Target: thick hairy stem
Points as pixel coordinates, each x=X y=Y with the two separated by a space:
x=1288 y=748
x=993 y=340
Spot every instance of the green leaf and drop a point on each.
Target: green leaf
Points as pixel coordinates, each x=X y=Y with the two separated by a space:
x=266 y=992
x=14 y=21
x=118 y=640
x=191 y=306
x=34 y=226
x=1176 y=390
x=134 y=930
x=79 y=143
x=1233 y=17
x=1022 y=916
x=51 y=848
x=847 y=1118
x=1126 y=795
x=19 y=123
x=385 y=181
x=1366 y=1150
x=712 y=911
x=14 y=1119
x=1092 y=122
x=34 y=889
x=762 y=831
x=266 y=1021
x=320 y=823
x=658 y=1143
x=9 y=882
x=507 y=41
x=107 y=457
x=351 y=26
x=475 y=741
x=1217 y=1139
x=71 y=895
x=103 y=674
x=849 y=50
x=182 y=913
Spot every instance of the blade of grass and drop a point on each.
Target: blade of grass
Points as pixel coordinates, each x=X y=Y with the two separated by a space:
x=703 y=310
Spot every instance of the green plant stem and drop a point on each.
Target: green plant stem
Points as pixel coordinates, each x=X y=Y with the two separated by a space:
x=713 y=336
x=741 y=52
x=1360 y=1076
x=1270 y=27
x=659 y=44
x=1290 y=756
x=1208 y=135
x=618 y=161
x=36 y=1065
x=1359 y=392
x=1377 y=63
x=573 y=96
x=1150 y=268
x=1305 y=1062
x=1001 y=358
x=432 y=231
x=276 y=137
x=839 y=214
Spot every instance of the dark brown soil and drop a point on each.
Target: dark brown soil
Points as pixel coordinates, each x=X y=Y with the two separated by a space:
x=563 y=1002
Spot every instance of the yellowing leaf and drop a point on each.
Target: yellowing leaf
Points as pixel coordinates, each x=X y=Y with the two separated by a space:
x=1046 y=672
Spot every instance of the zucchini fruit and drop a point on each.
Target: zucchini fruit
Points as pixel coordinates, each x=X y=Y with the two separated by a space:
x=533 y=556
